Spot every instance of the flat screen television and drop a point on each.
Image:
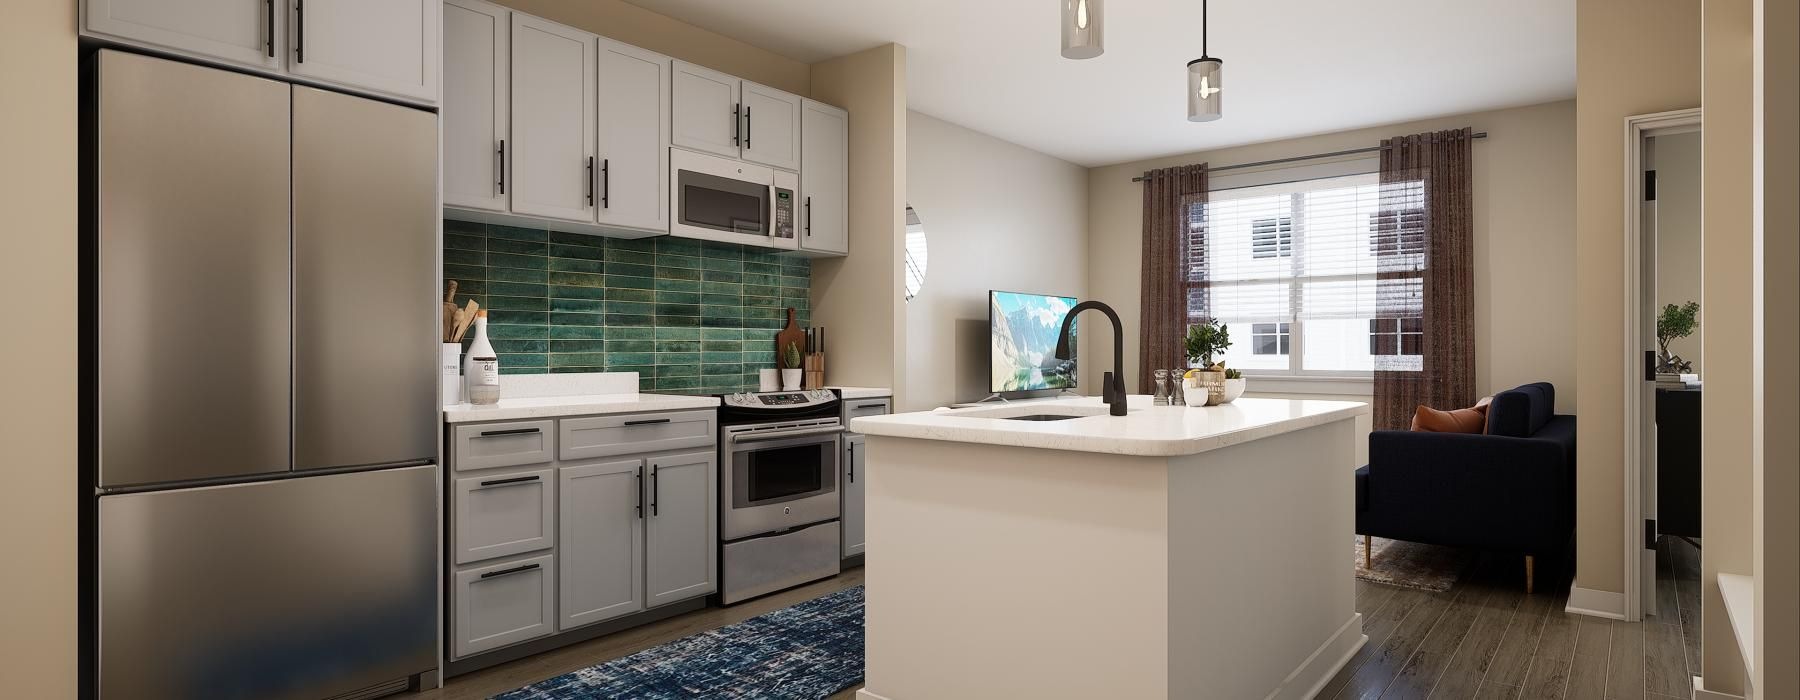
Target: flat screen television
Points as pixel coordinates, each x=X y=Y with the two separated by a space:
x=1022 y=342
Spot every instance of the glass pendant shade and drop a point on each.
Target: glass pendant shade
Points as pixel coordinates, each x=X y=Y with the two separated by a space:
x=1082 y=25
x=1204 y=89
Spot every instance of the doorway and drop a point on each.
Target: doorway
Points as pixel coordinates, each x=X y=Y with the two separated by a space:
x=1663 y=388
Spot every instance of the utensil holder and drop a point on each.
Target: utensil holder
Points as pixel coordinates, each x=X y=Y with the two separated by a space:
x=451 y=371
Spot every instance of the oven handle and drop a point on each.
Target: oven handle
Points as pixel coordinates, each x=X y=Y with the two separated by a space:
x=760 y=437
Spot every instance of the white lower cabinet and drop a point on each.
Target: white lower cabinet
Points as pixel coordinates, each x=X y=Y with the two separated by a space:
x=502 y=515
x=854 y=459
x=502 y=604
x=680 y=535
x=601 y=541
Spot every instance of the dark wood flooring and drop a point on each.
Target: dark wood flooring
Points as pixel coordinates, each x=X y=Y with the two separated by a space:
x=1483 y=639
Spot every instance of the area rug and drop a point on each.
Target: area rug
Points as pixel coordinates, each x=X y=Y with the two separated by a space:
x=1413 y=565
x=809 y=651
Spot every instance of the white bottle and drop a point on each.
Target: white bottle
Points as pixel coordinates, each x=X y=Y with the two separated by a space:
x=483 y=369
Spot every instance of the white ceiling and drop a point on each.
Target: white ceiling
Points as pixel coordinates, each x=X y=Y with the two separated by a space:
x=1292 y=67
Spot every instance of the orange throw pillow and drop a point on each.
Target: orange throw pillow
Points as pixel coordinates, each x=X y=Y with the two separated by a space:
x=1462 y=420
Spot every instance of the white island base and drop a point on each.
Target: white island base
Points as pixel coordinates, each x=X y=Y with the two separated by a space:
x=1218 y=565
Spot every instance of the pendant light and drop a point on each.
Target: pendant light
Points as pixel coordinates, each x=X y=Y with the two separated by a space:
x=1204 y=79
x=1082 y=23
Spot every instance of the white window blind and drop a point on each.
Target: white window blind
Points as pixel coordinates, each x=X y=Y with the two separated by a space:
x=1326 y=258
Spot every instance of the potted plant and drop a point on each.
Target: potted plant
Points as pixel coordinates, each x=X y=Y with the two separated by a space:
x=1675 y=322
x=1234 y=385
x=1204 y=340
x=790 y=367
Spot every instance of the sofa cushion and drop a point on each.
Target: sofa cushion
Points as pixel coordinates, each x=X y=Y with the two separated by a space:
x=1522 y=411
x=1462 y=420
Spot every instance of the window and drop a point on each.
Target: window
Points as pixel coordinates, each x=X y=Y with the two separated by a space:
x=1317 y=277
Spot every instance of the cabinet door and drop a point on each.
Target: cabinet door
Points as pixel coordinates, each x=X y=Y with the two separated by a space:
x=387 y=46
x=824 y=178
x=600 y=548
x=552 y=151
x=634 y=137
x=240 y=31
x=854 y=458
x=707 y=110
x=771 y=126
x=477 y=54
x=680 y=553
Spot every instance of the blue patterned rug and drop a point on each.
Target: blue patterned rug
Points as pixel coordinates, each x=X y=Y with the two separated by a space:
x=810 y=651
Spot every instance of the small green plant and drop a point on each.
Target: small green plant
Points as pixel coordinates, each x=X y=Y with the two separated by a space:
x=1233 y=374
x=790 y=357
x=1675 y=322
x=1205 y=339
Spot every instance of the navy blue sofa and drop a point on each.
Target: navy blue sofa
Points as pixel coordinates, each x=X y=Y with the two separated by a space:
x=1510 y=490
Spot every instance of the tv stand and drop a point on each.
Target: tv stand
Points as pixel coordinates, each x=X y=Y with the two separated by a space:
x=1059 y=395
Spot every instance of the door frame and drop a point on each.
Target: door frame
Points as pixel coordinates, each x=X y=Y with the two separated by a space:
x=1638 y=128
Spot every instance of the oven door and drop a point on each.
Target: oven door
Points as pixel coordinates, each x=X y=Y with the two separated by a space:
x=775 y=480
x=718 y=199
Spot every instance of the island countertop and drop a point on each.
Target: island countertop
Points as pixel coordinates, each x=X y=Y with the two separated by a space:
x=1146 y=430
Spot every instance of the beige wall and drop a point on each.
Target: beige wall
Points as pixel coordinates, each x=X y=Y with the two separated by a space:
x=997 y=216
x=1777 y=459
x=617 y=19
x=1728 y=275
x=861 y=298
x=37 y=422
x=1617 y=44
x=1678 y=230
x=1524 y=237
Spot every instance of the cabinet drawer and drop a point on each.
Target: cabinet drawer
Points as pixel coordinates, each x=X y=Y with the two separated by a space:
x=862 y=408
x=601 y=436
x=503 y=514
x=491 y=445
x=502 y=604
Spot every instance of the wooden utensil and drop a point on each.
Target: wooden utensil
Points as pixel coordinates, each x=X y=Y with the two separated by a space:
x=465 y=318
x=449 y=310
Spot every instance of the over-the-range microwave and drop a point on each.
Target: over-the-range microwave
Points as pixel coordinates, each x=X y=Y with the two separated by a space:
x=720 y=199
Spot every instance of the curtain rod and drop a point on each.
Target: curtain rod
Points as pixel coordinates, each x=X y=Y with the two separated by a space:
x=1315 y=156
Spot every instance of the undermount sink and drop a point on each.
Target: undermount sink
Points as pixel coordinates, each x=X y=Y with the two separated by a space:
x=1041 y=417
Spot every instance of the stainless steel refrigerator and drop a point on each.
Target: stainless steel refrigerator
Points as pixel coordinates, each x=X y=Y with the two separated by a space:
x=263 y=397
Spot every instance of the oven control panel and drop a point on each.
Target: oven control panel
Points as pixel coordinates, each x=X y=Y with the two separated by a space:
x=781 y=399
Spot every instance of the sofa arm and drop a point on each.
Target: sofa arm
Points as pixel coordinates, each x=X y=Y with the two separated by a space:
x=1468 y=490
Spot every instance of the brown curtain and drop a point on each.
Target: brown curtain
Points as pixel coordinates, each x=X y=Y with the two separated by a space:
x=1423 y=236
x=1174 y=230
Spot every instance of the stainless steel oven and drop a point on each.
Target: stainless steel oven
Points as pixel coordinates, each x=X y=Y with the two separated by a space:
x=778 y=491
x=720 y=199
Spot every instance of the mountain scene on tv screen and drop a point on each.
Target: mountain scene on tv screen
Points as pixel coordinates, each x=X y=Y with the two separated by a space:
x=1024 y=342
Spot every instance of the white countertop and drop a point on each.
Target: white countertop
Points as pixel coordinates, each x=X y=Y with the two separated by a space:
x=1146 y=429
x=579 y=405
x=861 y=392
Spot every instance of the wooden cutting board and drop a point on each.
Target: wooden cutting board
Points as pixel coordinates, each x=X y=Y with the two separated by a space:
x=791 y=334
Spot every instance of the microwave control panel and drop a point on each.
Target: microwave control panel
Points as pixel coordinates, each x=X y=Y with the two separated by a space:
x=784 y=214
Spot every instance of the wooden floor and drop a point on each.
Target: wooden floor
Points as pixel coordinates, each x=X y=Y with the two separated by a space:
x=1483 y=639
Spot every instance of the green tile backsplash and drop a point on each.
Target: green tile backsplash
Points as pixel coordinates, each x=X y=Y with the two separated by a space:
x=688 y=316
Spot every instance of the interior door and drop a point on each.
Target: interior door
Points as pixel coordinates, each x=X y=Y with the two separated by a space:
x=824 y=178
x=634 y=137
x=1647 y=226
x=554 y=171
x=387 y=46
x=771 y=126
x=366 y=304
x=477 y=53
x=194 y=272
x=680 y=552
x=600 y=541
x=240 y=31
x=706 y=111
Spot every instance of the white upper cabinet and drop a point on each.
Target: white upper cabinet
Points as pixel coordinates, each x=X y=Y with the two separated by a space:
x=381 y=46
x=633 y=137
x=824 y=178
x=554 y=172
x=388 y=46
x=707 y=111
x=771 y=126
x=247 y=32
x=476 y=107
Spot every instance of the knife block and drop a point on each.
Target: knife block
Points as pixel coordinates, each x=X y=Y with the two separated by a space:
x=815 y=371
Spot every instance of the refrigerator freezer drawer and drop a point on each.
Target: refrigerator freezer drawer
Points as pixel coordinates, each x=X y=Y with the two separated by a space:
x=299 y=588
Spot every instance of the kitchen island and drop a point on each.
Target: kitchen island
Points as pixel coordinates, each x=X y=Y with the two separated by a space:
x=1050 y=550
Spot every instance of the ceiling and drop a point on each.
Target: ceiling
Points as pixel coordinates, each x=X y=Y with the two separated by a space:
x=1292 y=68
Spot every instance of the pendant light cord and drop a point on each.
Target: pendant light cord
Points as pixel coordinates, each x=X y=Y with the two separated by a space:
x=1205 y=26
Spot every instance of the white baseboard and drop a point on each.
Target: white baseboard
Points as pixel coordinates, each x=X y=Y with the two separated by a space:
x=1587 y=601
x=1324 y=663
x=1701 y=693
